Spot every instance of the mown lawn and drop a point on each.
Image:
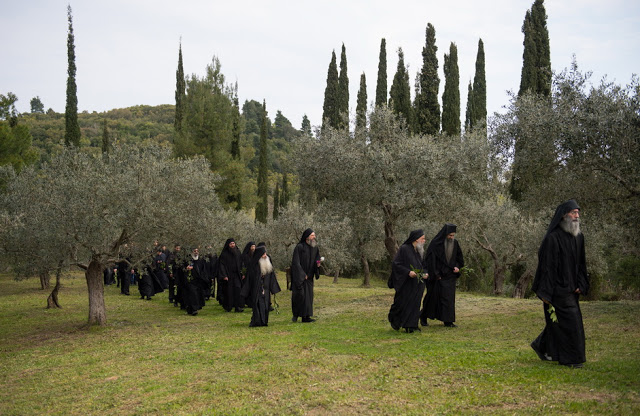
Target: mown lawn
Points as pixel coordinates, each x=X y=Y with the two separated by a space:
x=152 y=358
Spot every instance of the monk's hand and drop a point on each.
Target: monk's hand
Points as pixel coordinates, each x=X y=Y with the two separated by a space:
x=577 y=291
x=456 y=270
x=412 y=274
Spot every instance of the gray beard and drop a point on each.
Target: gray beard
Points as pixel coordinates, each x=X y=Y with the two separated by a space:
x=570 y=226
x=448 y=249
x=265 y=266
x=195 y=257
x=312 y=243
x=420 y=249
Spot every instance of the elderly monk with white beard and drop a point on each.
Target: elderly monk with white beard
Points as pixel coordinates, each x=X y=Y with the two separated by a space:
x=406 y=278
x=561 y=277
x=443 y=260
x=261 y=283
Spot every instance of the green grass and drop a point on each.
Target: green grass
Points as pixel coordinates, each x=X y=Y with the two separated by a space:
x=152 y=358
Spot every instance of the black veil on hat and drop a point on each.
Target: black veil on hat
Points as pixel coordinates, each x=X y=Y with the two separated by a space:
x=306 y=235
x=248 y=247
x=260 y=250
x=562 y=210
x=446 y=229
x=414 y=235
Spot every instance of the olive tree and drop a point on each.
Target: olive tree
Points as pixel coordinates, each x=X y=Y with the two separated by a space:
x=88 y=207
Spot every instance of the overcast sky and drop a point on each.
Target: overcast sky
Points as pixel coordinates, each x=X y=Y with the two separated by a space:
x=279 y=51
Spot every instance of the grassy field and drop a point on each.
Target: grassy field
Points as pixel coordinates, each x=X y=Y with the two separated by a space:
x=152 y=358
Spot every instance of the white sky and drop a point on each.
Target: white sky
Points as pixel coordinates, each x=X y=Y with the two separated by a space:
x=127 y=50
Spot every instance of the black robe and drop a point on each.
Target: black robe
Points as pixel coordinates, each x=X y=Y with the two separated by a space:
x=149 y=285
x=172 y=274
x=191 y=280
x=212 y=271
x=229 y=266
x=124 y=275
x=304 y=267
x=258 y=288
x=159 y=270
x=561 y=270
x=440 y=301
x=405 y=310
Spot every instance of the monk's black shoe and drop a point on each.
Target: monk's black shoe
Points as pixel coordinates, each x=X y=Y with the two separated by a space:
x=424 y=322
x=294 y=319
x=450 y=325
x=542 y=356
x=394 y=326
x=412 y=330
x=308 y=320
x=578 y=365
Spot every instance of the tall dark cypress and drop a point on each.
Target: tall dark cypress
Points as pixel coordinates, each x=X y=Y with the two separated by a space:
x=276 y=202
x=262 y=207
x=361 y=107
x=427 y=107
x=285 y=197
x=469 y=115
x=381 y=85
x=181 y=88
x=451 y=94
x=72 y=128
x=536 y=58
x=400 y=92
x=331 y=107
x=343 y=90
x=479 y=90
x=106 y=142
x=235 y=141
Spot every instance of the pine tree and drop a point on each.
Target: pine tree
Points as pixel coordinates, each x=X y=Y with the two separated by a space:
x=180 y=92
x=330 y=109
x=381 y=86
x=479 y=90
x=451 y=94
x=262 y=207
x=72 y=128
x=106 y=142
x=305 y=129
x=469 y=112
x=427 y=107
x=343 y=91
x=361 y=107
x=400 y=92
x=276 y=202
x=536 y=58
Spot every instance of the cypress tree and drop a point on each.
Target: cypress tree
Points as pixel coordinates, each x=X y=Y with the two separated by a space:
x=106 y=143
x=285 y=197
x=536 y=58
x=262 y=207
x=235 y=141
x=361 y=107
x=330 y=109
x=469 y=113
x=180 y=92
x=343 y=90
x=479 y=90
x=427 y=107
x=305 y=129
x=72 y=128
x=276 y=202
x=451 y=94
x=400 y=92
x=381 y=86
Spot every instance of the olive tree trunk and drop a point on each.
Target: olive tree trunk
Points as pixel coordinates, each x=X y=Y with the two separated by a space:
x=366 y=282
x=95 y=286
x=45 y=279
x=52 y=300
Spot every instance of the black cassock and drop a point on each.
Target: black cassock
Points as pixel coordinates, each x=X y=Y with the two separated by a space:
x=405 y=310
x=123 y=270
x=160 y=270
x=440 y=301
x=149 y=284
x=258 y=288
x=561 y=270
x=229 y=266
x=191 y=284
x=304 y=263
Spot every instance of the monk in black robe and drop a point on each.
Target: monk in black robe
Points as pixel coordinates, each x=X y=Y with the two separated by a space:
x=124 y=275
x=159 y=268
x=148 y=285
x=211 y=259
x=172 y=273
x=229 y=276
x=443 y=261
x=260 y=283
x=304 y=267
x=406 y=278
x=561 y=277
x=247 y=254
x=192 y=280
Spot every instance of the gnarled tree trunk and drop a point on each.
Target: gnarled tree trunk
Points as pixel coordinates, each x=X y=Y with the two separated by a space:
x=45 y=279
x=52 y=300
x=365 y=268
x=390 y=242
x=336 y=274
x=523 y=283
x=95 y=286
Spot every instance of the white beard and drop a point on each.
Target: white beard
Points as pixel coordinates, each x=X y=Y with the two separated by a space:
x=570 y=226
x=312 y=243
x=195 y=257
x=420 y=249
x=265 y=266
